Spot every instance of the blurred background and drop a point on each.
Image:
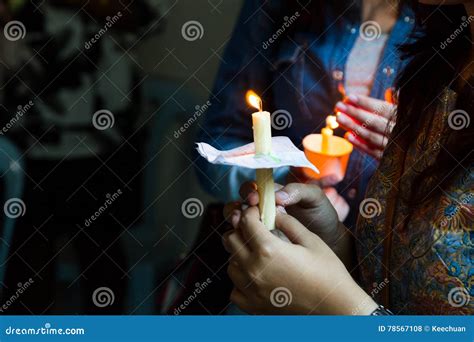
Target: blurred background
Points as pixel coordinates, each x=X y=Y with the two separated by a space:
x=138 y=71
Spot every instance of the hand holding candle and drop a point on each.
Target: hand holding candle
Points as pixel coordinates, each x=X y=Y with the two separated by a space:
x=258 y=155
x=262 y=135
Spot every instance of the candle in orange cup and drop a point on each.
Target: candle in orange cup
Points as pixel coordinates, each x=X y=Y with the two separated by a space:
x=262 y=136
x=329 y=153
x=327 y=132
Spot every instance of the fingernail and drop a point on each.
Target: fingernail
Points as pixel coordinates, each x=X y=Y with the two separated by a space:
x=350 y=137
x=235 y=219
x=282 y=196
x=341 y=106
x=341 y=118
x=353 y=98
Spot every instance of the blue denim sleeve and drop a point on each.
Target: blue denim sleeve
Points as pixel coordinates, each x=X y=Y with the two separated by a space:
x=227 y=123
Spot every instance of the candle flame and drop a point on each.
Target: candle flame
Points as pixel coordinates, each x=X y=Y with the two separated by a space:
x=331 y=122
x=341 y=89
x=389 y=96
x=254 y=100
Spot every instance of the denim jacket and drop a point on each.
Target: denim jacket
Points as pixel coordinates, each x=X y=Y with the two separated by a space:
x=299 y=74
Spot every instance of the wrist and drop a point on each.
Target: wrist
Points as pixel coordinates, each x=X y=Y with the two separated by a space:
x=352 y=300
x=360 y=303
x=338 y=236
x=347 y=298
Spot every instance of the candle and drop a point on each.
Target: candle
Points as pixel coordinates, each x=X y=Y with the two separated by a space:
x=262 y=136
x=389 y=96
x=327 y=133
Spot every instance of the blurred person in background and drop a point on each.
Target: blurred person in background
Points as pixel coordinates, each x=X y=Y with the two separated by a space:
x=68 y=71
x=300 y=59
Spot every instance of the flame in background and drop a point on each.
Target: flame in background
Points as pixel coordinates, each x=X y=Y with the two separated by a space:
x=331 y=122
x=341 y=89
x=389 y=96
x=254 y=100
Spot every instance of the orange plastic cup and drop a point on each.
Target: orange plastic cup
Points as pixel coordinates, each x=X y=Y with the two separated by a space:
x=334 y=162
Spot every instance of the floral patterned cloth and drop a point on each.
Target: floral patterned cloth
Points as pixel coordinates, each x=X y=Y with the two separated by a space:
x=424 y=264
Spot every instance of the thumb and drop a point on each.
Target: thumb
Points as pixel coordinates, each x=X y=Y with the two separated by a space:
x=305 y=195
x=293 y=229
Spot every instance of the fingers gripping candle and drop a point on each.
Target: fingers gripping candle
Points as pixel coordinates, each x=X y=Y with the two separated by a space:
x=262 y=136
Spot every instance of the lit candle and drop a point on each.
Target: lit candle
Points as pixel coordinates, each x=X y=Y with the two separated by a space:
x=327 y=133
x=262 y=136
x=388 y=95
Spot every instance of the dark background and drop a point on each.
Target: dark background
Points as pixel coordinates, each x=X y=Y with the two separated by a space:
x=151 y=79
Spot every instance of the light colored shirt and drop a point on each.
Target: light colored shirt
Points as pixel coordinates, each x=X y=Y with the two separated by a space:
x=362 y=64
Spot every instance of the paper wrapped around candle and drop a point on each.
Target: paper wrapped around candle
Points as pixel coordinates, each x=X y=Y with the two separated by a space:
x=333 y=161
x=284 y=153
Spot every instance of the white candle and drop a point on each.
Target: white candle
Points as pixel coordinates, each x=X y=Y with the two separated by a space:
x=262 y=136
x=327 y=133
